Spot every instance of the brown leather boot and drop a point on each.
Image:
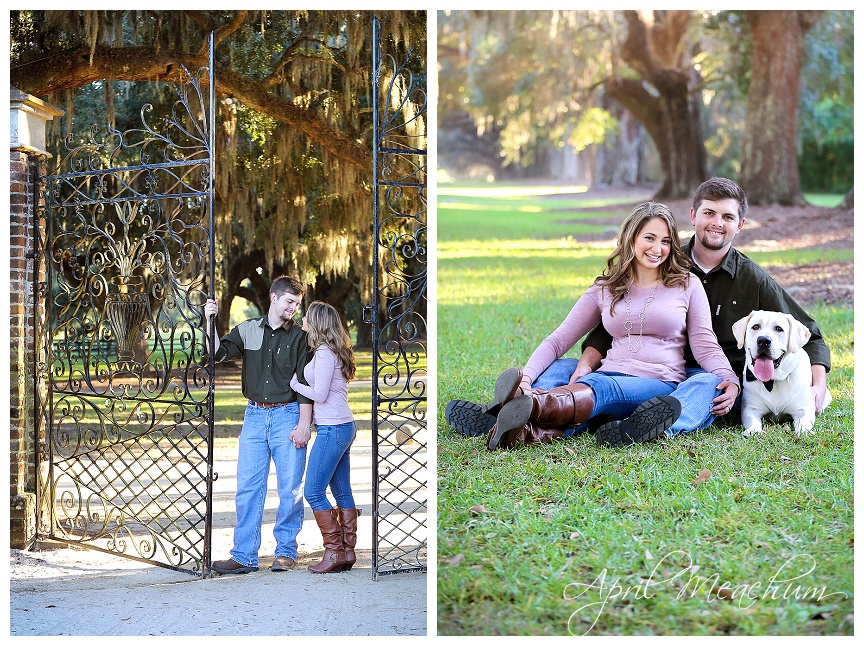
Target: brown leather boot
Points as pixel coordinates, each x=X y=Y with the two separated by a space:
x=331 y=532
x=531 y=434
x=559 y=407
x=348 y=521
x=506 y=388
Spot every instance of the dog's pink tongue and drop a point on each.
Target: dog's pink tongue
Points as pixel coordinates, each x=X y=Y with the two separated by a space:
x=763 y=368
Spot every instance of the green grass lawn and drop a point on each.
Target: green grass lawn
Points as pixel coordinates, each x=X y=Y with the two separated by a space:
x=509 y=212
x=824 y=199
x=568 y=538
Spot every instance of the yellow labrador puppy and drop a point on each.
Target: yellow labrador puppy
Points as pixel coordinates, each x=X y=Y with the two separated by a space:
x=777 y=377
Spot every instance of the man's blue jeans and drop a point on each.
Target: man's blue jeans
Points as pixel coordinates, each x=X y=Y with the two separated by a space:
x=695 y=394
x=330 y=465
x=265 y=435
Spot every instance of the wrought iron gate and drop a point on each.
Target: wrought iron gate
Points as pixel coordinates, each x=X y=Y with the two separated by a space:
x=399 y=405
x=124 y=264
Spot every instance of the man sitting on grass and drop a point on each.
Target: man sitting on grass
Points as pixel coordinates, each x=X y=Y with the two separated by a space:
x=735 y=286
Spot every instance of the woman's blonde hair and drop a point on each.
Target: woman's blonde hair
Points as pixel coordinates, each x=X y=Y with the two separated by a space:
x=325 y=328
x=620 y=272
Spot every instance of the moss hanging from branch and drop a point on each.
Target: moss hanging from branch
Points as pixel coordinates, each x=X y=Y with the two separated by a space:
x=294 y=124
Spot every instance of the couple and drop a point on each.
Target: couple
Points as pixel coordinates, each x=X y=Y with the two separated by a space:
x=277 y=425
x=671 y=361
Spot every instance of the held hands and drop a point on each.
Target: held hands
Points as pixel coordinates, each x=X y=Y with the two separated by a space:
x=723 y=402
x=300 y=437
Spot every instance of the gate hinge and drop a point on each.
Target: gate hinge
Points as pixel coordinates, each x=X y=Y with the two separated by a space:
x=367 y=314
x=214 y=477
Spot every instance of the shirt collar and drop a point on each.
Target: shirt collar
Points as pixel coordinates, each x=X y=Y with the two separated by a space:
x=285 y=326
x=730 y=262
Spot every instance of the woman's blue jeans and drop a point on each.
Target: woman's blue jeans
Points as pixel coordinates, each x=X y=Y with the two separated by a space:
x=695 y=394
x=265 y=435
x=330 y=465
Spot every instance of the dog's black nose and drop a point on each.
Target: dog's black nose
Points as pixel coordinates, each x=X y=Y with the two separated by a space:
x=763 y=342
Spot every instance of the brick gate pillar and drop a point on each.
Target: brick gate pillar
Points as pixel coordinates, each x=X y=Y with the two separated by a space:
x=28 y=118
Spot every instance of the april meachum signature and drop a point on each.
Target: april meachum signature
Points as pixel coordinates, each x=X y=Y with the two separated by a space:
x=781 y=585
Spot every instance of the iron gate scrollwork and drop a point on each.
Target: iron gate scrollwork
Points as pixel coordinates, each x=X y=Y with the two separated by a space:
x=124 y=250
x=399 y=402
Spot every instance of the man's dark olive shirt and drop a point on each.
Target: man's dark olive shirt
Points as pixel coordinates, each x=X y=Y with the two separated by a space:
x=736 y=287
x=270 y=358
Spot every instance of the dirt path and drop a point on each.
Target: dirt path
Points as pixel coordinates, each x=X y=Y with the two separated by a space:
x=84 y=592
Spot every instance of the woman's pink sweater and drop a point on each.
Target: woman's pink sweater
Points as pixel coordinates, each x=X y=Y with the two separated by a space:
x=327 y=388
x=674 y=316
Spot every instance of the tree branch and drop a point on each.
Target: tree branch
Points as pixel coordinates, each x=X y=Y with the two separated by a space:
x=222 y=32
x=71 y=69
x=288 y=56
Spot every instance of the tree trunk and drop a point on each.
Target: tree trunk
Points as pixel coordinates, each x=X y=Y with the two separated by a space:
x=364 y=335
x=849 y=200
x=769 y=159
x=261 y=285
x=670 y=112
x=618 y=158
x=224 y=316
x=240 y=267
x=673 y=127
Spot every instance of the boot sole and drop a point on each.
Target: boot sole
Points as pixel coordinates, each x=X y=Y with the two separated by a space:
x=505 y=387
x=513 y=415
x=334 y=570
x=279 y=568
x=468 y=418
x=648 y=422
x=239 y=570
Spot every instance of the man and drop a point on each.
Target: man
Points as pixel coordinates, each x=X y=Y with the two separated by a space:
x=735 y=286
x=276 y=425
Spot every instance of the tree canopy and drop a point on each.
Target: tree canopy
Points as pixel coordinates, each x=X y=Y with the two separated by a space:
x=294 y=161
x=570 y=77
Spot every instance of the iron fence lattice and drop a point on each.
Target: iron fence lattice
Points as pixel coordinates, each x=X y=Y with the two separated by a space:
x=399 y=415
x=124 y=265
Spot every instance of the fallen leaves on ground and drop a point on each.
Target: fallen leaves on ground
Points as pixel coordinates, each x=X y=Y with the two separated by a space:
x=704 y=474
x=722 y=593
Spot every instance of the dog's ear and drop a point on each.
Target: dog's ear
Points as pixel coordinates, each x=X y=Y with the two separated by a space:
x=798 y=334
x=739 y=329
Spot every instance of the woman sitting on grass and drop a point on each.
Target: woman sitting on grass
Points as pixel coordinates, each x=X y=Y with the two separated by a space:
x=328 y=373
x=651 y=307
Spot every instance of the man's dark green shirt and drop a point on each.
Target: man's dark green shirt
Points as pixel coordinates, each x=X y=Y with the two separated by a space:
x=736 y=287
x=270 y=358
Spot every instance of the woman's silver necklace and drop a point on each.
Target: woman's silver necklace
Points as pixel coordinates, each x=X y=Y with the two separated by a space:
x=628 y=324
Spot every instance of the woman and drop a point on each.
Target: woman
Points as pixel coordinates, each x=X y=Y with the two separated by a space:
x=651 y=307
x=328 y=374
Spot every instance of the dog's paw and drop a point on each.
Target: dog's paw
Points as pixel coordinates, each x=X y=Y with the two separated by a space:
x=753 y=430
x=803 y=428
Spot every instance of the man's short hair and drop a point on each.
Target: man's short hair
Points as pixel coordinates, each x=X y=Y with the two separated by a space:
x=284 y=284
x=720 y=188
